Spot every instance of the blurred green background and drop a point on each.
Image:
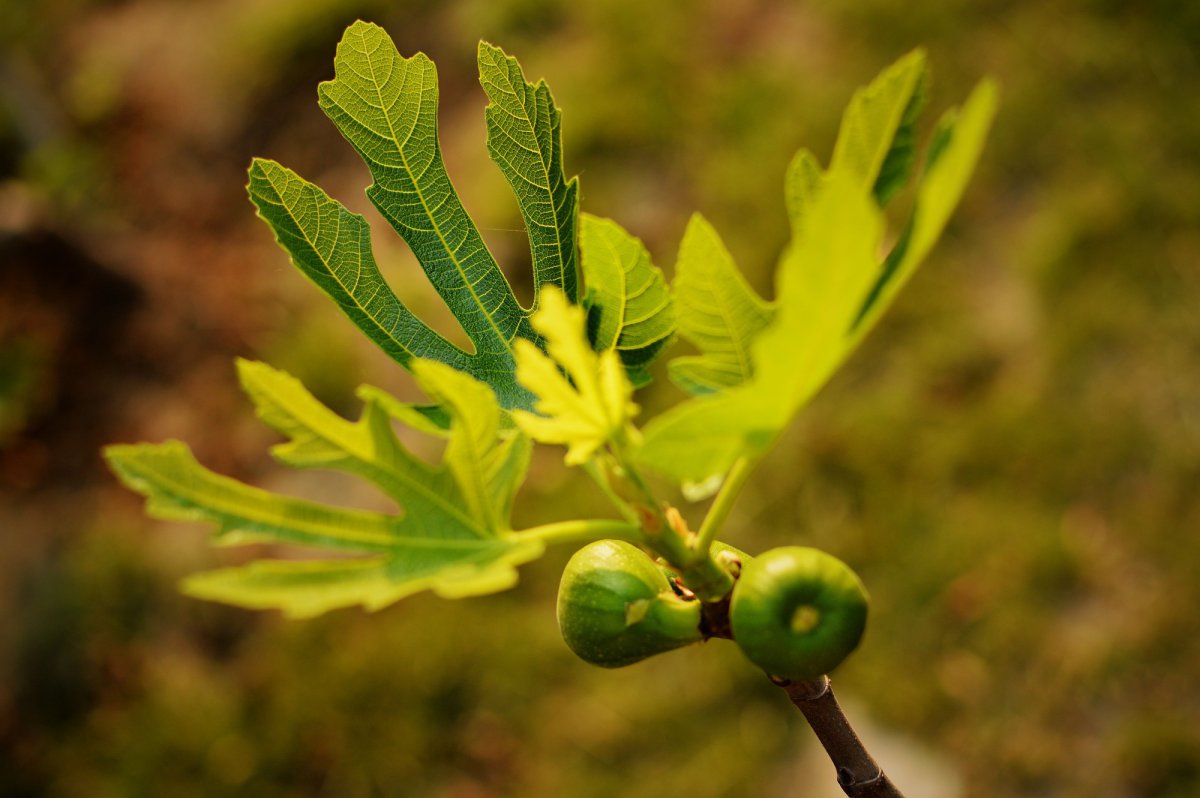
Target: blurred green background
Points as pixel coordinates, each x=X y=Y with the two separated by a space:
x=1012 y=462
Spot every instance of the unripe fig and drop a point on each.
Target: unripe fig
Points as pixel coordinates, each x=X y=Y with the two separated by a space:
x=616 y=606
x=798 y=612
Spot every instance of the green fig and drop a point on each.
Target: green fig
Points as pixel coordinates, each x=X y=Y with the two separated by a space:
x=616 y=606
x=798 y=612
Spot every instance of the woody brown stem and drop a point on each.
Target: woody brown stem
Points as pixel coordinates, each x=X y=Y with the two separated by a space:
x=857 y=773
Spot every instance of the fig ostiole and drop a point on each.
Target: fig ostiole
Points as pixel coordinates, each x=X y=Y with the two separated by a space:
x=797 y=612
x=616 y=606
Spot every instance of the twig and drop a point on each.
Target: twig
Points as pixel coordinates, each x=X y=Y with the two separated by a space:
x=857 y=773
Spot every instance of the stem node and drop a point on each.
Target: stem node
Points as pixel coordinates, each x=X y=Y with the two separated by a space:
x=858 y=774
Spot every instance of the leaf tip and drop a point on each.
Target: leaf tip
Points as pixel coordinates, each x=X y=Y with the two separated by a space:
x=130 y=461
x=114 y=451
x=248 y=369
x=487 y=48
x=914 y=62
x=361 y=27
x=916 y=56
x=263 y=175
x=257 y=170
x=697 y=225
x=116 y=457
x=987 y=93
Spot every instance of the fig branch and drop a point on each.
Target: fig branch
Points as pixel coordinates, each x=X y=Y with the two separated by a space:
x=857 y=773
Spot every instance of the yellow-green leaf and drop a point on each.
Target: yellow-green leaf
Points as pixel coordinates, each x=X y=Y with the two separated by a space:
x=628 y=304
x=718 y=312
x=878 y=127
x=453 y=534
x=955 y=147
x=821 y=280
x=832 y=285
x=586 y=411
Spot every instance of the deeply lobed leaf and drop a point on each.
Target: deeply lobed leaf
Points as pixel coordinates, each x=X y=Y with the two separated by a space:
x=385 y=106
x=332 y=246
x=524 y=138
x=792 y=357
x=453 y=537
x=585 y=412
x=832 y=286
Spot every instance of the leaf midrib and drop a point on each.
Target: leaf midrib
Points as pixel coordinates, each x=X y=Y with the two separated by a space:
x=735 y=338
x=437 y=229
x=541 y=160
x=329 y=268
x=254 y=513
x=315 y=429
x=624 y=283
x=739 y=352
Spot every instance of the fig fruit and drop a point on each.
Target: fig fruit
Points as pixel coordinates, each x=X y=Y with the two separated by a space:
x=797 y=612
x=616 y=606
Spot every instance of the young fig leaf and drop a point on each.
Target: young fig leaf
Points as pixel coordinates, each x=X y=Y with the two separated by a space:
x=832 y=286
x=875 y=142
x=820 y=280
x=385 y=106
x=718 y=312
x=453 y=536
x=585 y=412
x=629 y=307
